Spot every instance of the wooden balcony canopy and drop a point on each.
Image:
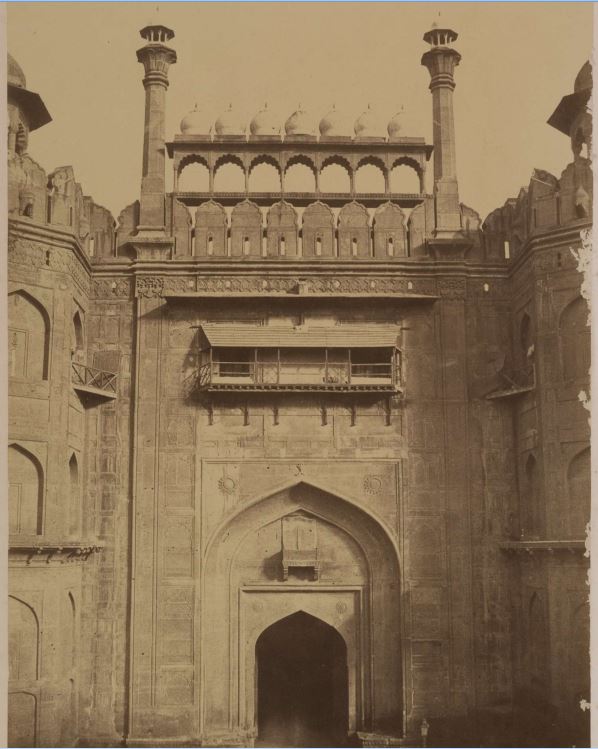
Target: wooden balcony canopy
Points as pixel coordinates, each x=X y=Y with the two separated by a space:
x=216 y=335
x=336 y=358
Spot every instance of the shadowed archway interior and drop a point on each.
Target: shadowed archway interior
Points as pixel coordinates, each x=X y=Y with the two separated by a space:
x=301 y=684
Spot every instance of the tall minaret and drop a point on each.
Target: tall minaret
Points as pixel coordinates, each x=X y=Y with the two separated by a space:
x=441 y=60
x=156 y=58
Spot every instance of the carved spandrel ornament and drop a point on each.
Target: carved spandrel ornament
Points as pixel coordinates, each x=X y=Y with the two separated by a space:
x=299 y=544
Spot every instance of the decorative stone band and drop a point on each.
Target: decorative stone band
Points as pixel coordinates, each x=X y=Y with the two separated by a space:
x=442 y=80
x=157 y=286
x=31 y=551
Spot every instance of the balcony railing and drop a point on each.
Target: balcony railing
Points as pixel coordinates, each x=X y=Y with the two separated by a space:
x=516 y=382
x=93 y=381
x=306 y=375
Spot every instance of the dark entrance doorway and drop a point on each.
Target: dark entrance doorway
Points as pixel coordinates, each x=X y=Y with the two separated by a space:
x=302 y=690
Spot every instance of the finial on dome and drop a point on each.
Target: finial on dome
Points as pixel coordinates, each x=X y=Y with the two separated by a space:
x=395 y=124
x=335 y=125
x=300 y=123
x=367 y=125
x=264 y=123
x=196 y=122
x=229 y=123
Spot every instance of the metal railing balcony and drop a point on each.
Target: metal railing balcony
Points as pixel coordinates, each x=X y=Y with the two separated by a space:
x=305 y=375
x=516 y=382
x=93 y=381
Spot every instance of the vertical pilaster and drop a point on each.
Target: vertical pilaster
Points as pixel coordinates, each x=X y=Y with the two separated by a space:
x=458 y=532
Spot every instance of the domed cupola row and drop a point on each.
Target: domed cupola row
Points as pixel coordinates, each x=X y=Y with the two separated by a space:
x=300 y=125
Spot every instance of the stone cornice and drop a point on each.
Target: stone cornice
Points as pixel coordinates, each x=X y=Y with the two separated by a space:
x=243 y=268
x=574 y=546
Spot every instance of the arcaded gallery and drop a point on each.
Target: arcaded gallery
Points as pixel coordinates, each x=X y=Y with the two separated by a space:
x=298 y=468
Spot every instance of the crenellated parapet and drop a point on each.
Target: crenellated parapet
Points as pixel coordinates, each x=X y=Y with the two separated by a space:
x=547 y=203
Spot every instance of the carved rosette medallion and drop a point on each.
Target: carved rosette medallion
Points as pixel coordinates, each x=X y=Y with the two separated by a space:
x=227 y=485
x=372 y=484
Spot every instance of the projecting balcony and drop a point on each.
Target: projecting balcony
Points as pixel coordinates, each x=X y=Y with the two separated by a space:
x=94 y=385
x=266 y=358
x=517 y=382
x=308 y=375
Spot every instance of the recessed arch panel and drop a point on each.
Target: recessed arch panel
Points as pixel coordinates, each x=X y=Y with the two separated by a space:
x=243 y=584
x=574 y=335
x=28 y=337
x=25 y=492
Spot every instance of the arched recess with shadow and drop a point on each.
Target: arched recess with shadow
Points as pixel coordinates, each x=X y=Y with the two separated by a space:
x=25 y=492
x=300 y=174
x=229 y=174
x=406 y=176
x=356 y=583
x=574 y=334
x=579 y=490
x=302 y=696
x=193 y=175
x=28 y=337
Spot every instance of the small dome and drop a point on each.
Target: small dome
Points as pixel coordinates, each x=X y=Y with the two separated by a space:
x=264 y=123
x=367 y=125
x=334 y=124
x=299 y=123
x=196 y=123
x=229 y=123
x=14 y=73
x=583 y=80
x=395 y=125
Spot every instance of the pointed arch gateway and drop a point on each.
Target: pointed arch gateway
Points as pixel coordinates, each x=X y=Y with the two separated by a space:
x=302 y=696
x=347 y=577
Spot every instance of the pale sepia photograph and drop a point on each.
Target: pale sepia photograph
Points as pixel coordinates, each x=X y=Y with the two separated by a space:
x=298 y=336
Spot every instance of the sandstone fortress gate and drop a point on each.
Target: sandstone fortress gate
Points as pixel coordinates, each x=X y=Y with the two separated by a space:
x=297 y=467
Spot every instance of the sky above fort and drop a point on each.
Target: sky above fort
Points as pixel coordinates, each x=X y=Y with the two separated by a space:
x=518 y=60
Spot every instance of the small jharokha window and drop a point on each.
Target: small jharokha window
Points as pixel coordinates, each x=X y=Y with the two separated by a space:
x=318 y=245
x=282 y=246
x=354 y=247
x=246 y=245
x=390 y=247
x=210 y=245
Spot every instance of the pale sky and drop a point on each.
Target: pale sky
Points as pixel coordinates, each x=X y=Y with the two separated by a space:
x=518 y=60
